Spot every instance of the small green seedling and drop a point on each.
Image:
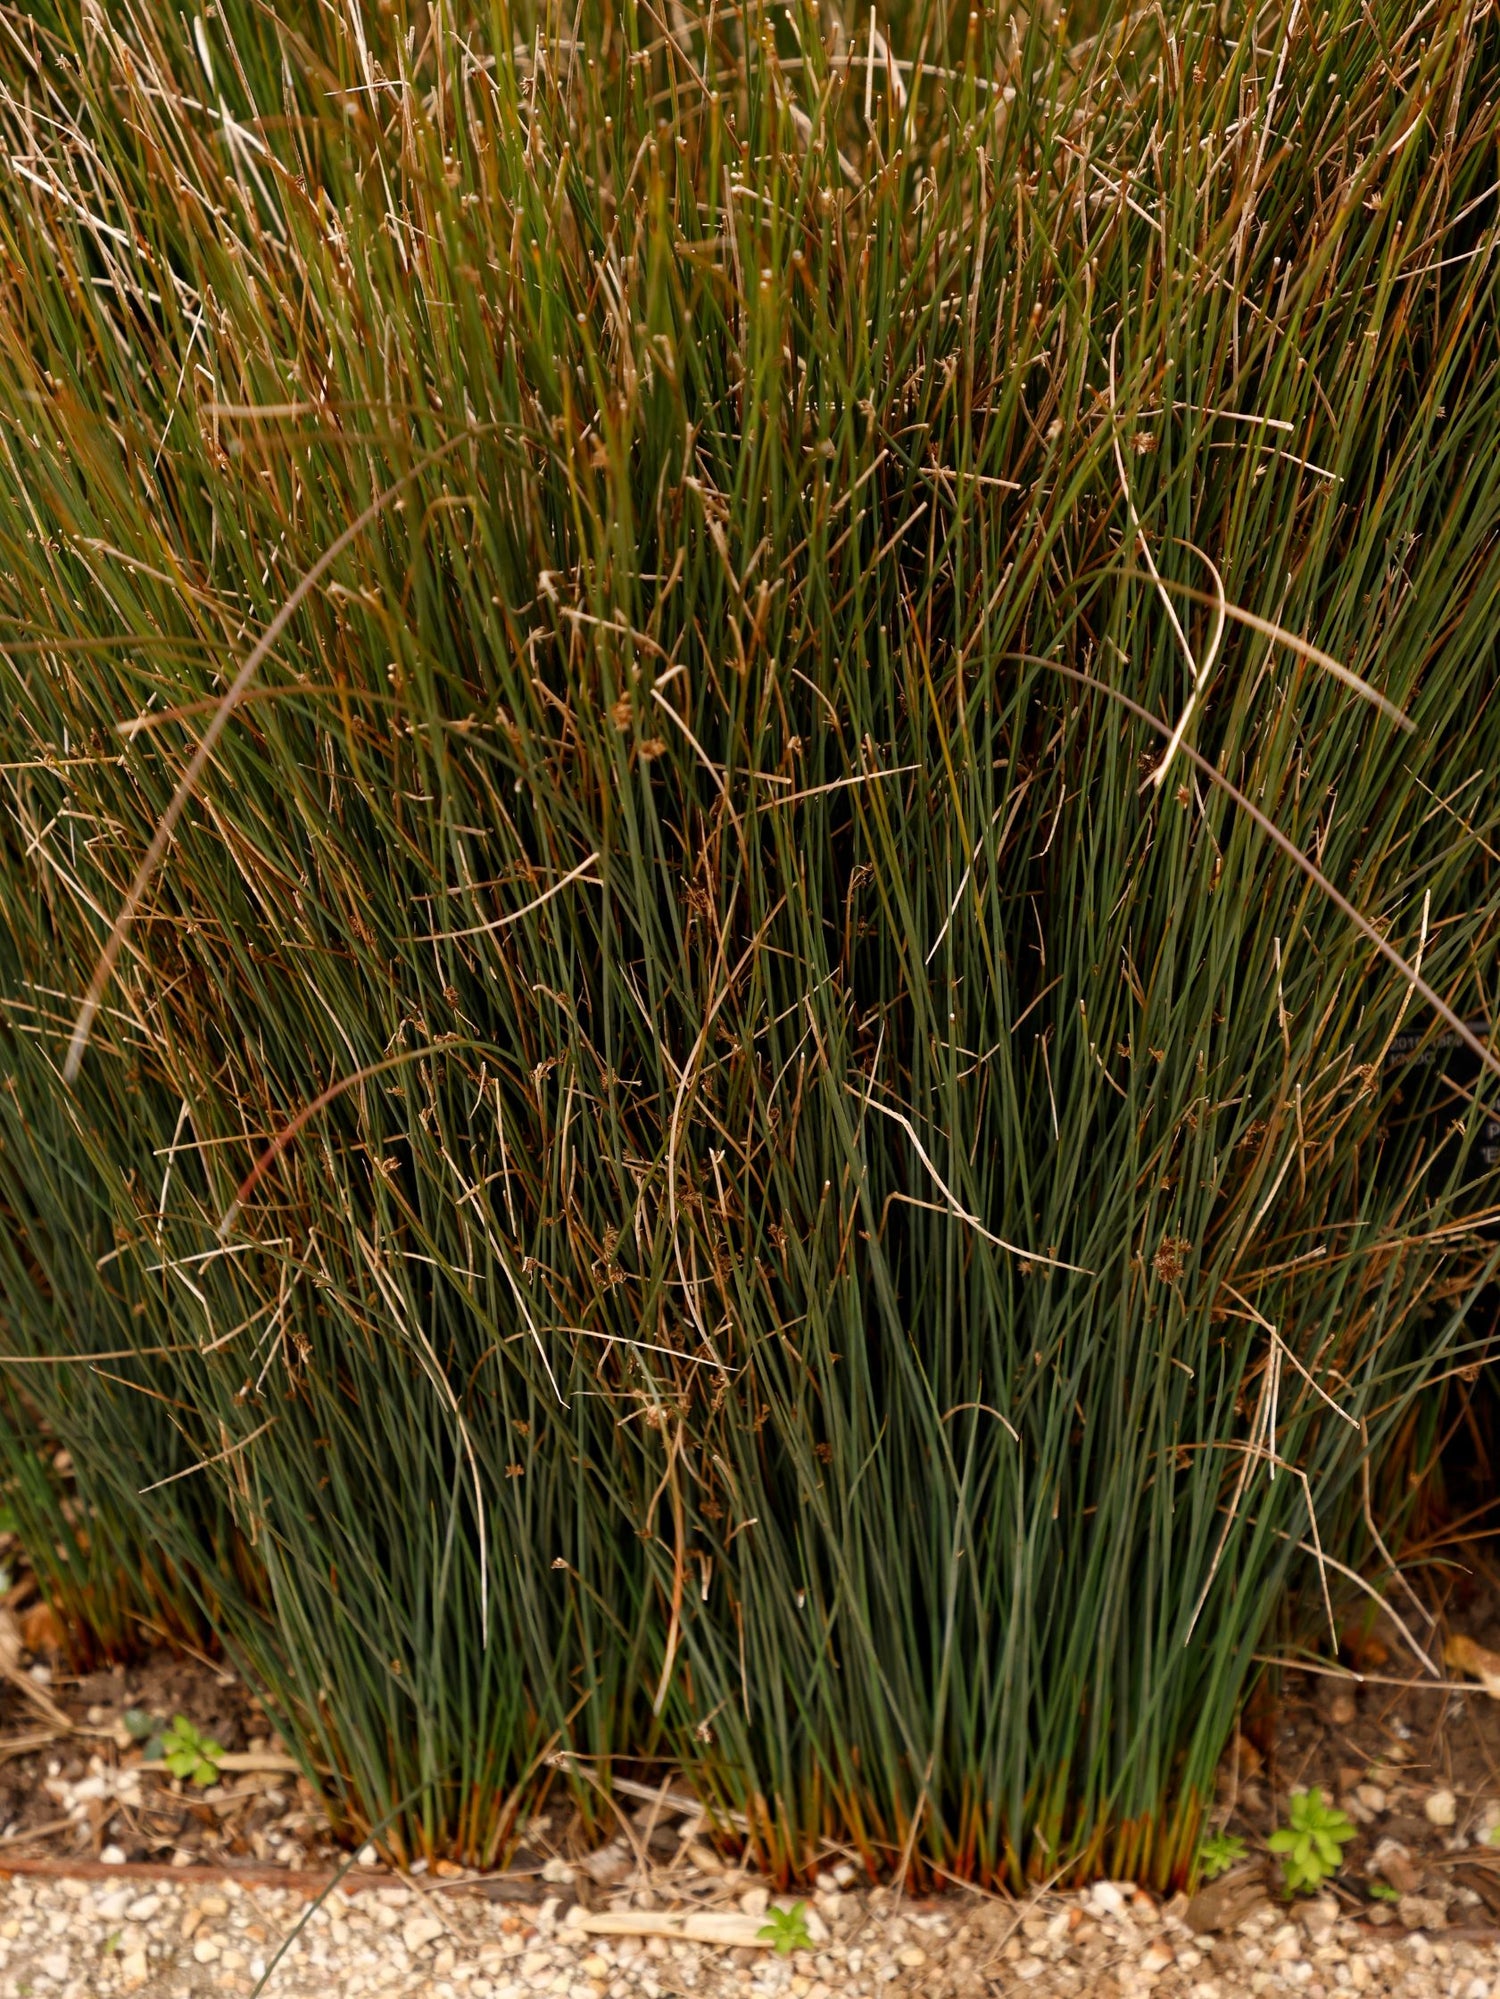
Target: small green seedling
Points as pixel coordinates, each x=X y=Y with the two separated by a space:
x=1218 y=1853
x=1312 y=1842
x=786 y=1929
x=190 y=1755
x=1382 y=1891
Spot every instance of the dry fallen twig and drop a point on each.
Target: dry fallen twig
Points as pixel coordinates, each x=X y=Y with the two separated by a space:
x=716 y=1926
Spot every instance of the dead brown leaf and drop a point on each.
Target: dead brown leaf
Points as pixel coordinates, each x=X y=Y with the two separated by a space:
x=1466 y=1655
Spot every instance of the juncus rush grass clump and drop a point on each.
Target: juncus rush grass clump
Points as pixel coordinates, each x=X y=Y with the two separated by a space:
x=746 y=756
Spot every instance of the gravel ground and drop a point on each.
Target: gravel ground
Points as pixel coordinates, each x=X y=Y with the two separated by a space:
x=72 y=1939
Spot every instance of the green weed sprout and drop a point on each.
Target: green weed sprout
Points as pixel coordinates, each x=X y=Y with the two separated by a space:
x=1218 y=1853
x=189 y=1754
x=1382 y=1891
x=1312 y=1842
x=786 y=1929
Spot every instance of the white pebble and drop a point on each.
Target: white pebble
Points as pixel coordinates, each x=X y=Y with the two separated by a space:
x=420 y=1930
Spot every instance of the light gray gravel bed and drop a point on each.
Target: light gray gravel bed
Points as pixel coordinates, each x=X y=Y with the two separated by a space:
x=69 y=1939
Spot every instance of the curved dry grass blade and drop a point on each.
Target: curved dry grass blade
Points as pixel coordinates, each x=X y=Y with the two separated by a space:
x=1293 y=853
x=1135 y=520
x=527 y=909
x=1158 y=776
x=1303 y=648
x=305 y=1116
x=954 y=1206
x=161 y=838
x=203 y=1464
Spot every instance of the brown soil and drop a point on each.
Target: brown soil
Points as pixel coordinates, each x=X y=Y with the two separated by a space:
x=1411 y=1757
x=67 y=1755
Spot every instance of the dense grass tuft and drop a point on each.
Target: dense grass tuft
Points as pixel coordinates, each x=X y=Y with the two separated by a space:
x=697 y=1147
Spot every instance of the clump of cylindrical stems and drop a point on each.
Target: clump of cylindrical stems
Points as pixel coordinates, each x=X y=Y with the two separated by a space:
x=747 y=775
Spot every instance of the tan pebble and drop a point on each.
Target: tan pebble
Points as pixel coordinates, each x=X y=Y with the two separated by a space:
x=1029 y=1968
x=754 y=1901
x=191 y=1920
x=214 y=1905
x=1394 y=1862
x=205 y=1950
x=133 y=1969
x=420 y=1930
x=912 y=1956
x=1361 y=1977
x=1319 y=1916
x=10 y=1929
x=1421 y=1912
x=1156 y=1957
x=1440 y=1807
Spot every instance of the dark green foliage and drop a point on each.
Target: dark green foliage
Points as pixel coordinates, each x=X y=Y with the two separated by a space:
x=683 y=1159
